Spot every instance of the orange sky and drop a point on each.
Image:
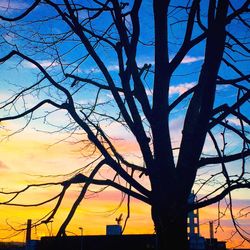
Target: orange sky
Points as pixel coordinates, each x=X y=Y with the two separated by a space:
x=23 y=158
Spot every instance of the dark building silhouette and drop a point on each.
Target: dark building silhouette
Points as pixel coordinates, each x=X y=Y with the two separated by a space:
x=114 y=240
x=100 y=242
x=11 y=246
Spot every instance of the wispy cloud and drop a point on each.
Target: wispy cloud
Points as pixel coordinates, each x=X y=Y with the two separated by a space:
x=3 y=166
x=192 y=59
x=175 y=90
x=141 y=62
x=181 y=88
x=91 y=70
x=186 y=60
x=235 y=121
x=6 y=5
x=112 y=67
x=43 y=63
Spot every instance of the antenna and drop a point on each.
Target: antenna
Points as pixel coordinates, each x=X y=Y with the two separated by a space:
x=119 y=219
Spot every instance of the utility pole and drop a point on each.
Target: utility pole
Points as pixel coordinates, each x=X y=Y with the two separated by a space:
x=28 y=234
x=211 y=230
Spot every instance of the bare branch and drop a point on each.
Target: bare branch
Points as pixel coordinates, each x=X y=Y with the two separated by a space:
x=31 y=110
x=90 y=81
x=226 y=158
x=24 y=14
x=80 y=178
x=220 y=196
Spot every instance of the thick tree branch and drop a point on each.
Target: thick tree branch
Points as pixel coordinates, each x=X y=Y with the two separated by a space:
x=233 y=81
x=227 y=158
x=132 y=69
x=220 y=196
x=237 y=104
x=80 y=197
x=115 y=152
x=160 y=116
x=187 y=44
x=70 y=107
x=109 y=160
x=201 y=105
x=181 y=98
x=76 y=27
x=80 y=178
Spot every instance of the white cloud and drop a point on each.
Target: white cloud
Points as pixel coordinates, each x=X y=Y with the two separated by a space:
x=181 y=88
x=235 y=121
x=149 y=92
x=97 y=70
x=113 y=68
x=141 y=62
x=91 y=70
x=187 y=59
x=176 y=123
x=43 y=63
x=177 y=89
x=191 y=59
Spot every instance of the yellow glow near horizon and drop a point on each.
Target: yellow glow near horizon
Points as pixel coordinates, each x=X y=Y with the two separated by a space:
x=24 y=157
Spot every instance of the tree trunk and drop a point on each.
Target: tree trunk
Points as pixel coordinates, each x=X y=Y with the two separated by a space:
x=170 y=220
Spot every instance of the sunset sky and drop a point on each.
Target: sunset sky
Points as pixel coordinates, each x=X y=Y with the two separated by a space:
x=37 y=155
x=25 y=156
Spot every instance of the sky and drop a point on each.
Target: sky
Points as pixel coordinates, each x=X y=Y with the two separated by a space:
x=38 y=154
x=23 y=158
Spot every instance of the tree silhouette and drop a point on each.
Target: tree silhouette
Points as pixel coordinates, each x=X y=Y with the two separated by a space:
x=129 y=57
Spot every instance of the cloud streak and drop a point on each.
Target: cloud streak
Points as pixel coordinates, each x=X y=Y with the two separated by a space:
x=181 y=88
x=176 y=89
x=43 y=63
x=192 y=59
x=6 y=5
x=141 y=62
x=3 y=166
x=110 y=68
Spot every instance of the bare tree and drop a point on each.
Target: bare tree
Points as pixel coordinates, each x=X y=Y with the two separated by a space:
x=132 y=55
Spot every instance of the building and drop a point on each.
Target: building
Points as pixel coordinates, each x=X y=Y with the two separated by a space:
x=100 y=242
x=114 y=240
x=11 y=246
x=196 y=242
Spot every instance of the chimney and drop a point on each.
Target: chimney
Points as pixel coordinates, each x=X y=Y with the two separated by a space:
x=211 y=228
x=28 y=231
